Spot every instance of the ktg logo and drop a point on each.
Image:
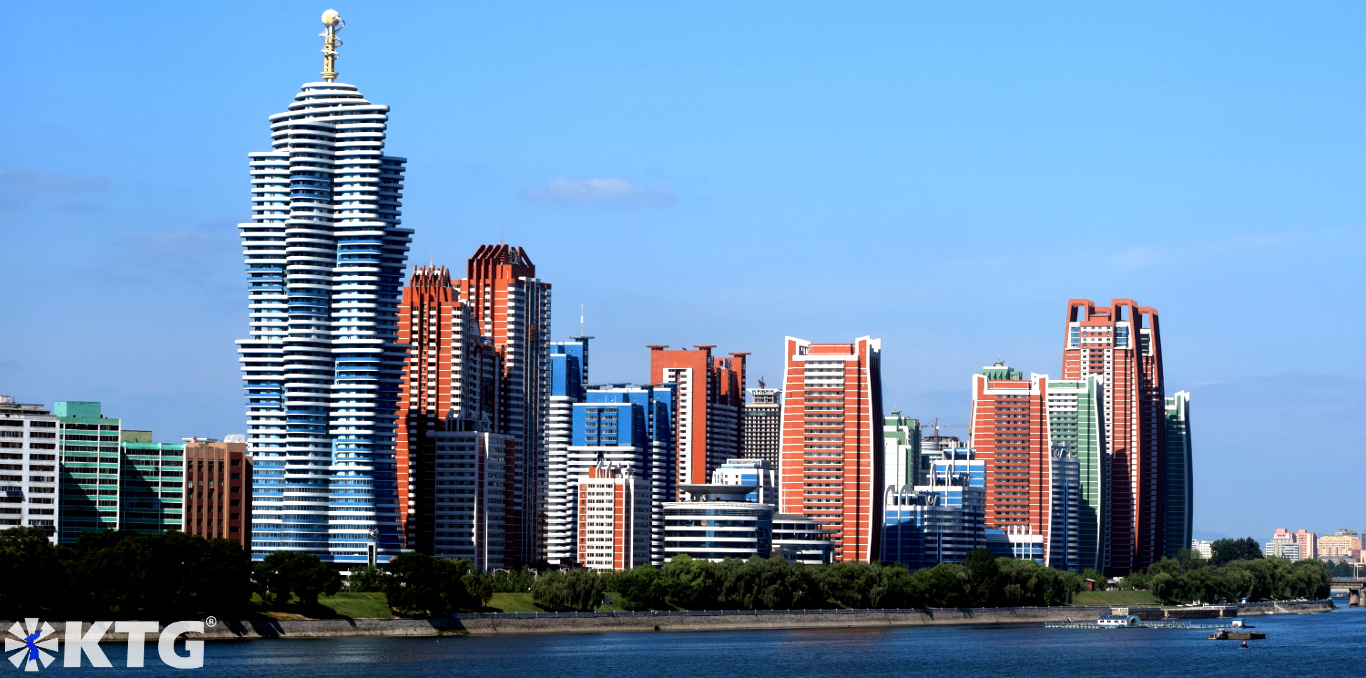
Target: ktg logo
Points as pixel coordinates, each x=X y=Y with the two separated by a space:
x=35 y=645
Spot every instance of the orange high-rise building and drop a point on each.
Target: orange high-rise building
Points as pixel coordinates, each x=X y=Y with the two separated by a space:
x=509 y=306
x=709 y=415
x=1122 y=343
x=830 y=463
x=1010 y=434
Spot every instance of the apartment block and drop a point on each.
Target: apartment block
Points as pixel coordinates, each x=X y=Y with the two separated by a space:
x=29 y=487
x=831 y=463
x=614 y=516
x=709 y=418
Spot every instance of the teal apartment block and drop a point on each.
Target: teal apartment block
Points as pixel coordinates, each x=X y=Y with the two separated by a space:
x=901 y=456
x=1076 y=421
x=1179 y=482
x=112 y=479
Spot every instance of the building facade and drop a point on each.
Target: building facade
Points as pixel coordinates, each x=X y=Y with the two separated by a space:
x=763 y=423
x=88 y=467
x=151 y=484
x=29 y=485
x=1064 y=531
x=510 y=306
x=475 y=498
x=938 y=522
x=1010 y=436
x=631 y=428
x=218 y=490
x=754 y=472
x=325 y=257
x=715 y=522
x=568 y=368
x=901 y=454
x=831 y=463
x=709 y=418
x=1122 y=343
x=1178 y=484
x=614 y=516
x=1076 y=422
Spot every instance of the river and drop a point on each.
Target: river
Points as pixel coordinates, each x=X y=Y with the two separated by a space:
x=1328 y=644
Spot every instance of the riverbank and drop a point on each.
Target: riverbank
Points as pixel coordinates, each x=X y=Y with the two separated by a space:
x=710 y=620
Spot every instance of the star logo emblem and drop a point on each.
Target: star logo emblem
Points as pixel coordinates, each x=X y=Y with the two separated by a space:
x=31 y=650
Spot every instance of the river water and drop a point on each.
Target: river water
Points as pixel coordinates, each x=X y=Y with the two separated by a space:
x=1329 y=644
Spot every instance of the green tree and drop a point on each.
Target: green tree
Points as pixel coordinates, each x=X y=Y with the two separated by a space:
x=368 y=579
x=284 y=575
x=984 y=587
x=419 y=584
x=577 y=590
x=640 y=588
x=1228 y=550
x=34 y=576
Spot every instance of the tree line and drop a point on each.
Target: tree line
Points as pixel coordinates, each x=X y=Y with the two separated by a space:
x=124 y=575
x=1236 y=571
x=171 y=575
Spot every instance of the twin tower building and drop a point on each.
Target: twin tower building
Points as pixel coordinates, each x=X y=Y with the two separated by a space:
x=438 y=416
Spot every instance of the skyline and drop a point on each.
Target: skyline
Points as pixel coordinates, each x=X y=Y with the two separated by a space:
x=166 y=241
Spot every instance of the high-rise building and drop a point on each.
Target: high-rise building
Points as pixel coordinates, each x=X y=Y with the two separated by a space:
x=218 y=490
x=1122 y=343
x=1009 y=434
x=568 y=369
x=613 y=519
x=1178 y=485
x=151 y=484
x=1064 y=530
x=1076 y=421
x=322 y=365
x=710 y=412
x=629 y=427
x=938 y=522
x=901 y=436
x=451 y=383
x=28 y=467
x=475 y=498
x=831 y=463
x=88 y=455
x=511 y=307
x=763 y=419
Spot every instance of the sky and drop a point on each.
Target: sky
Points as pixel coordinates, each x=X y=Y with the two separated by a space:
x=944 y=176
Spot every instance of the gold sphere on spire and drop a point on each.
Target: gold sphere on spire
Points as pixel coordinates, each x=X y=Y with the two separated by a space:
x=331 y=18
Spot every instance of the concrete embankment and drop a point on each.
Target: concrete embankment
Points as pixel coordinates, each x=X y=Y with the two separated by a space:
x=612 y=622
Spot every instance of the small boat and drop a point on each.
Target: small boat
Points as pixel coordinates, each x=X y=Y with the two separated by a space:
x=1226 y=634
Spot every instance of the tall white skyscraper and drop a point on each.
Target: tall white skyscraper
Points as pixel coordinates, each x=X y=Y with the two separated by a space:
x=325 y=261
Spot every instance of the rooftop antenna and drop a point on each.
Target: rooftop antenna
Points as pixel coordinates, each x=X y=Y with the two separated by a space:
x=581 y=318
x=332 y=22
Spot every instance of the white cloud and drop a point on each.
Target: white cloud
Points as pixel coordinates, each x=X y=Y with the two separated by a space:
x=562 y=191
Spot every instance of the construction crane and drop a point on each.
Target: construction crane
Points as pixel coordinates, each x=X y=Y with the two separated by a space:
x=938 y=425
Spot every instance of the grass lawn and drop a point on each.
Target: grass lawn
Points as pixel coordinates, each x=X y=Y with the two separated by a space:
x=358 y=605
x=1115 y=598
x=521 y=602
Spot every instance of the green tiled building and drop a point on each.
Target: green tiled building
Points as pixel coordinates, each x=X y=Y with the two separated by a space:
x=1076 y=419
x=111 y=479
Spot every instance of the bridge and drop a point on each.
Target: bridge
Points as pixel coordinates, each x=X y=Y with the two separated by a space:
x=1352 y=587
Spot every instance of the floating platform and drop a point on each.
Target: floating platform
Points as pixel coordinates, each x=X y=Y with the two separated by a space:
x=1226 y=634
x=1140 y=625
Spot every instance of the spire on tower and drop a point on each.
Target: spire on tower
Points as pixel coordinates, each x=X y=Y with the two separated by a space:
x=332 y=22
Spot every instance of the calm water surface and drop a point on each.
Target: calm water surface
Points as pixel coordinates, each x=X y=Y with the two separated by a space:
x=1331 y=644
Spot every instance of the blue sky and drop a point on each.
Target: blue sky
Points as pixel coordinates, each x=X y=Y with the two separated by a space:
x=942 y=176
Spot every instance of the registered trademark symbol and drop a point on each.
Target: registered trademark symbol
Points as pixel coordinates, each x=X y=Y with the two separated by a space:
x=211 y=621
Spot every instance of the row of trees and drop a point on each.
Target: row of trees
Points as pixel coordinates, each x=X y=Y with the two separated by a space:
x=982 y=580
x=124 y=575
x=1236 y=571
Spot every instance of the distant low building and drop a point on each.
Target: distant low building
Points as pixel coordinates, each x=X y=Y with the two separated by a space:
x=1339 y=546
x=1204 y=549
